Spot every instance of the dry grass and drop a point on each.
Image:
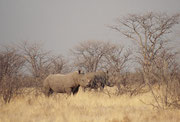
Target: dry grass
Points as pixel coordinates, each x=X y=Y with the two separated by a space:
x=84 y=107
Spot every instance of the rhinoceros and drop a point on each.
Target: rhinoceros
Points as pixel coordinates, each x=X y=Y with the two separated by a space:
x=98 y=80
x=65 y=83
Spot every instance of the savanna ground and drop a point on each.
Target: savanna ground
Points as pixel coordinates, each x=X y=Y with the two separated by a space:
x=87 y=106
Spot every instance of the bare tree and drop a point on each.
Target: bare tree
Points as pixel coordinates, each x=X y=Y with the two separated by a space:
x=58 y=65
x=11 y=64
x=98 y=55
x=117 y=58
x=40 y=63
x=88 y=54
x=150 y=32
x=37 y=59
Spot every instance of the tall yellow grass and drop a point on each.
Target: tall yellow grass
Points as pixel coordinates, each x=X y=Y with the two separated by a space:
x=84 y=107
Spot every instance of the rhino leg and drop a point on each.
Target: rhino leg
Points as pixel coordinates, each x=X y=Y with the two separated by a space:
x=75 y=89
x=101 y=88
x=48 y=91
x=68 y=91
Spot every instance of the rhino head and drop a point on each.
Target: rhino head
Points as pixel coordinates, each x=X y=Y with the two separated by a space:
x=83 y=80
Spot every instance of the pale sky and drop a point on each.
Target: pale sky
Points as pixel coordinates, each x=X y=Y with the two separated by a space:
x=61 y=24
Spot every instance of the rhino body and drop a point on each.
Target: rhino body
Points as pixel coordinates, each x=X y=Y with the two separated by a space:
x=68 y=83
x=98 y=79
